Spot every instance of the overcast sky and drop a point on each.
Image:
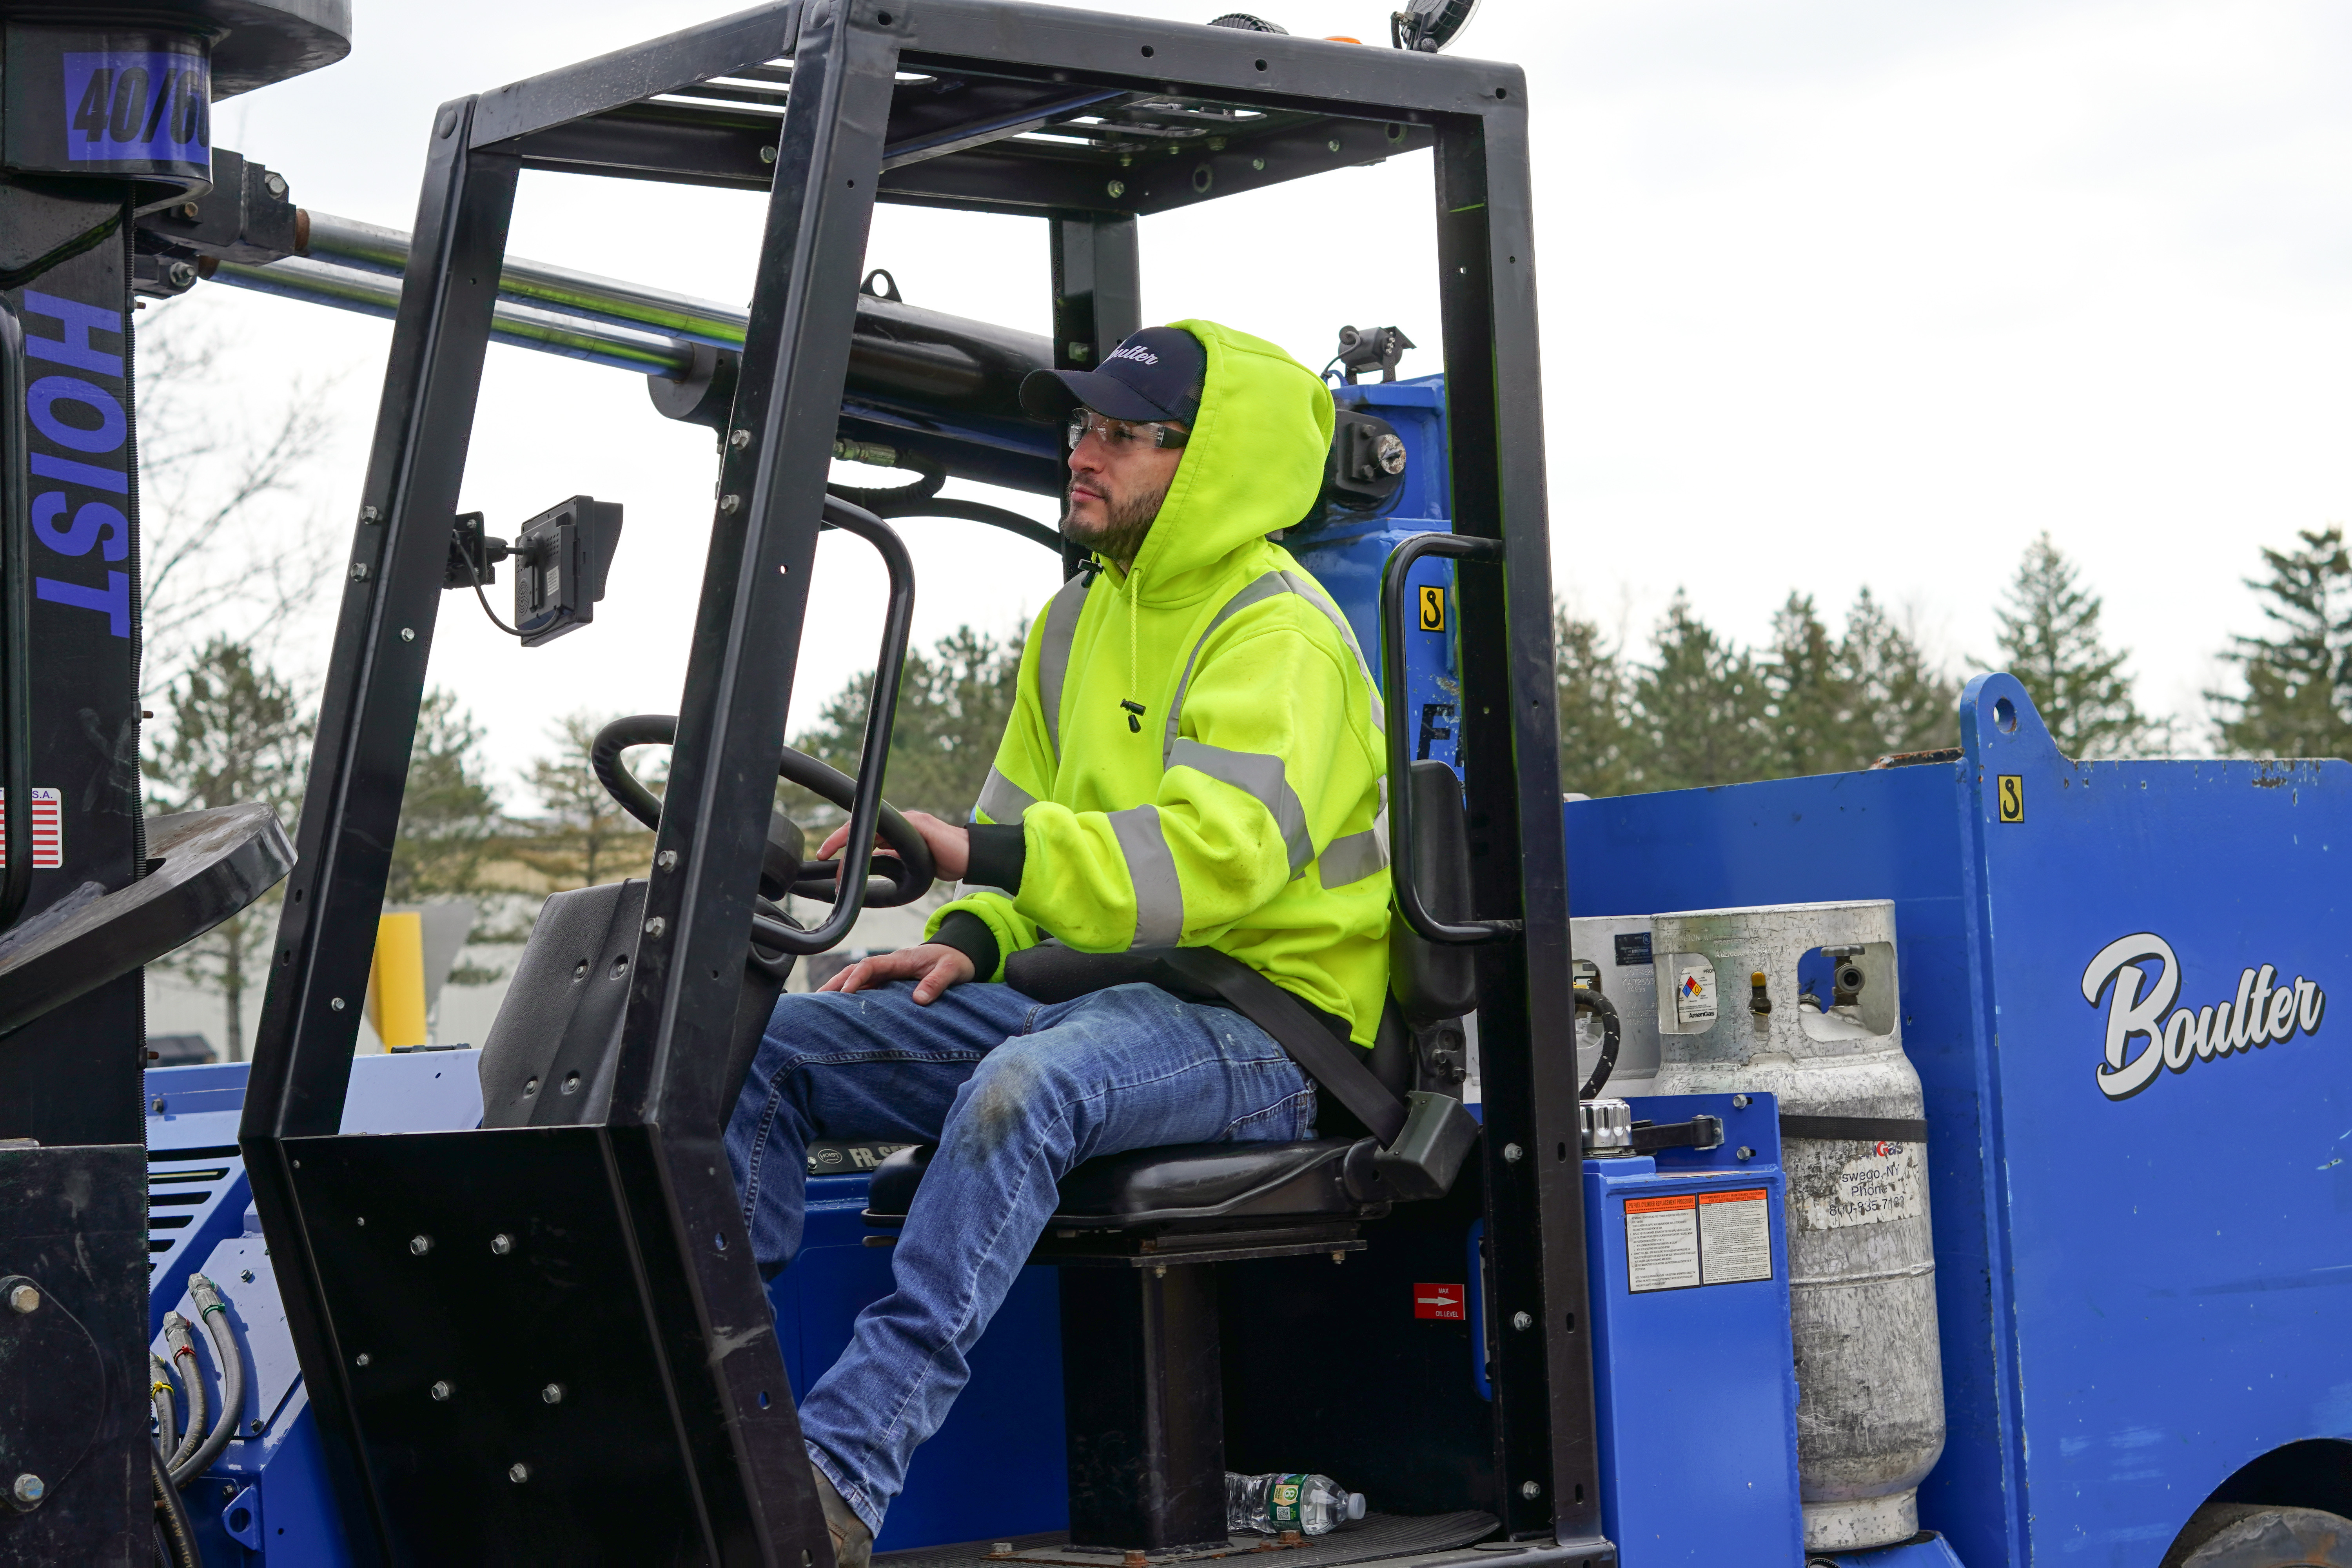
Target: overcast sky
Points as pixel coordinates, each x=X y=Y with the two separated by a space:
x=1833 y=294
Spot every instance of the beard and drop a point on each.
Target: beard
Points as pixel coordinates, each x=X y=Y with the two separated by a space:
x=1128 y=518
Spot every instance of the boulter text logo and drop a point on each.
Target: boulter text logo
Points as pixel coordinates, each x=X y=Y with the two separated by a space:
x=2147 y=1034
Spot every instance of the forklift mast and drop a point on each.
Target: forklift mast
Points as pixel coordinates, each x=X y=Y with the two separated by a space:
x=684 y=1445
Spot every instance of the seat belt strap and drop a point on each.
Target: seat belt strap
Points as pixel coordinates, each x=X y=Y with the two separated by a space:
x=1335 y=1065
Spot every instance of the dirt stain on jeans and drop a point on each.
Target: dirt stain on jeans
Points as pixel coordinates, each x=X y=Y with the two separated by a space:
x=997 y=1109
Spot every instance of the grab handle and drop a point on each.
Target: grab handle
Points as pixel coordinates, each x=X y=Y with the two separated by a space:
x=881 y=713
x=1403 y=873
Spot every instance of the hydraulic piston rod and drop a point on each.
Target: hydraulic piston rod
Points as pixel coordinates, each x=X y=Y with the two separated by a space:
x=902 y=355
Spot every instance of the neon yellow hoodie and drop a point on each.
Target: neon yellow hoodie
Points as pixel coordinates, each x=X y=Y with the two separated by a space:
x=1244 y=808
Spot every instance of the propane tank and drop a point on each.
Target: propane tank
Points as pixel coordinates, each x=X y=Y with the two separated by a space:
x=1799 y=1001
x=1611 y=956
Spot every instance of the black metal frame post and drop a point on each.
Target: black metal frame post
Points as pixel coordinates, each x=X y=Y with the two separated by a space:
x=648 y=1195
x=1548 y=1461
x=367 y=725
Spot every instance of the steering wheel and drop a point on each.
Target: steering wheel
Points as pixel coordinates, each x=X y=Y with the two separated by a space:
x=906 y=870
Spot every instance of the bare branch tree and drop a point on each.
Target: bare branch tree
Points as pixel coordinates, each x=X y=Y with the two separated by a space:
x=211 y=561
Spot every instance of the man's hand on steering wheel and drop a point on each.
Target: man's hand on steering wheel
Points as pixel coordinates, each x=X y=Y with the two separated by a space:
x=950 y=846
x=933 y=966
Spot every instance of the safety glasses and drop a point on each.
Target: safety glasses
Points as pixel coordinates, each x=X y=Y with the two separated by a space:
x=1121 y=435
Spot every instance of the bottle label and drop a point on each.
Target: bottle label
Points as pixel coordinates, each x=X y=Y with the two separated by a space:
x=1282 y=1502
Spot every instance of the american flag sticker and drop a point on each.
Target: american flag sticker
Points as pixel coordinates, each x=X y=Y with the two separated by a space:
x=48 y=831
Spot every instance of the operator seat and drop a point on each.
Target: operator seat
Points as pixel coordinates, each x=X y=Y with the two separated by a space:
x=1206 y=1190
x=1134 y=1233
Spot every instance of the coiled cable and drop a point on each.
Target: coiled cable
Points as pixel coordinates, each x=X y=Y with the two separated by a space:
x=1612 y=1030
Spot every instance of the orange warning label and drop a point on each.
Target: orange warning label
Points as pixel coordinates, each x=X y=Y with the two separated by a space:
x=1660 y=1205
x=1735 y=1236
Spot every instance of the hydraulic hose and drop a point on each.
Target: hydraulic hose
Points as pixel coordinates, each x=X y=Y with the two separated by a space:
x=166 y=1406
x=1601 y=1007
x=973 y=511
x=215 y=1313
x=180 y=1343
x=178 y=1534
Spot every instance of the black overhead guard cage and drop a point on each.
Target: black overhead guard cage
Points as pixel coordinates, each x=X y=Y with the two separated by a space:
x=684 y=1445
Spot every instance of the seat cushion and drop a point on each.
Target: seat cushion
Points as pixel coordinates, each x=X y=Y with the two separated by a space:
x=1185 y=1184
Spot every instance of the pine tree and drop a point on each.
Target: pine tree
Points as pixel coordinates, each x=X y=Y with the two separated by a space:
x=2297 y=700
x=583 y=837
x=1595 y=724
x=1901 y=703
x=1815 y=716
x=1701 y=710
x=239 y=733
x=449 y=819
x=953 y=705
x=2049 y=640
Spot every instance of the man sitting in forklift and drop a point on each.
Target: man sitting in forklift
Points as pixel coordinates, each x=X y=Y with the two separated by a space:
x=1193 y=759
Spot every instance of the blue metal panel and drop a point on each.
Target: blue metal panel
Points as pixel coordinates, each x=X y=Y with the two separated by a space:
x=268 y=1492
x=1696 y=1388
x=2123 y=1326
x=1347 y=556
x=1933 y=1552
x=994 y=1468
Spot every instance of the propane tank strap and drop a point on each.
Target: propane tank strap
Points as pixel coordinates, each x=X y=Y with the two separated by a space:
x=1854 y=1129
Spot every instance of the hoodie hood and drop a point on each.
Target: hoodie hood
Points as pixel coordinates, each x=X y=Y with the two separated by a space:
x=1254 y=463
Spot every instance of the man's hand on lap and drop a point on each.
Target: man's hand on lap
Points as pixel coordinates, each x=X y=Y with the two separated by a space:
x=932 y=966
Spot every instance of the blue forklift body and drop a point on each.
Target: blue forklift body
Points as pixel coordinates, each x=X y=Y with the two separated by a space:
x=2135 y=1303
x=2141 y=1260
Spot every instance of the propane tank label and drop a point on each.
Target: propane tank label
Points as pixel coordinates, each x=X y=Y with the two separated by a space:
x=1662 y=1243
x=1888 y=1183
x=1735 y=1236
x=1695 y=993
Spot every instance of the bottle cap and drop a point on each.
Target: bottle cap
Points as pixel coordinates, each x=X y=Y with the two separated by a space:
x=1355 y=1505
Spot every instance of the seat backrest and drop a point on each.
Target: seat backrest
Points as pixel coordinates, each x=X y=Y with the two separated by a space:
x=551 y=1055
x=1432 y=982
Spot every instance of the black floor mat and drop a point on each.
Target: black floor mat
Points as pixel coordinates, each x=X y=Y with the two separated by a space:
x=1375 y=1536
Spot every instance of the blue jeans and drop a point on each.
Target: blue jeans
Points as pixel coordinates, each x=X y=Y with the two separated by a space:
x=1014 y=1092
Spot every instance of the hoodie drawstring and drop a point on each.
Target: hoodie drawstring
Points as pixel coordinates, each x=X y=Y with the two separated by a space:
x=1134 y=709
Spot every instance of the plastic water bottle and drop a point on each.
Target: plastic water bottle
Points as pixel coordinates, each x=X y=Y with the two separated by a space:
x=1271 y=1504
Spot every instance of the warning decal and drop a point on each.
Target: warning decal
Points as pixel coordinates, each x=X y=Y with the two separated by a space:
x=48 y=831
x=1695 y=994
x=1735 y=1236
x=1662 y=1243
x=1441 y=1302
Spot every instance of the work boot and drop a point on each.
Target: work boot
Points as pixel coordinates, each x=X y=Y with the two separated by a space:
x=853 y=1543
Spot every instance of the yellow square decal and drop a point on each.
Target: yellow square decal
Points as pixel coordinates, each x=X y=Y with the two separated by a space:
x=1433 y=609
x=2013 y=798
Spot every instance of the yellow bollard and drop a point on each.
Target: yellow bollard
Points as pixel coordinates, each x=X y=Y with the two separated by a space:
x=395 y=993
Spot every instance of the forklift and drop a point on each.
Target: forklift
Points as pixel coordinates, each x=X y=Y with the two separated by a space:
x=500 y=1304
x=426 y=1349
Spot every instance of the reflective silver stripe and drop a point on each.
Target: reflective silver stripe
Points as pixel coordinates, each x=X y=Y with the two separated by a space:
x=1304 y=589
x=1357 y=855
x=1159 y=896
x=1053 y=639
x=1261 y=778
x=1256 y=592
x=1004 y=800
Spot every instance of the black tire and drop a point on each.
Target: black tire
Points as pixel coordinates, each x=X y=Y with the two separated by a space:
x=2261 y=1535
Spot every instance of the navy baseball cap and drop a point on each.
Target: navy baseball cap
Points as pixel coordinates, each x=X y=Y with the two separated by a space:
x=1155 y=375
